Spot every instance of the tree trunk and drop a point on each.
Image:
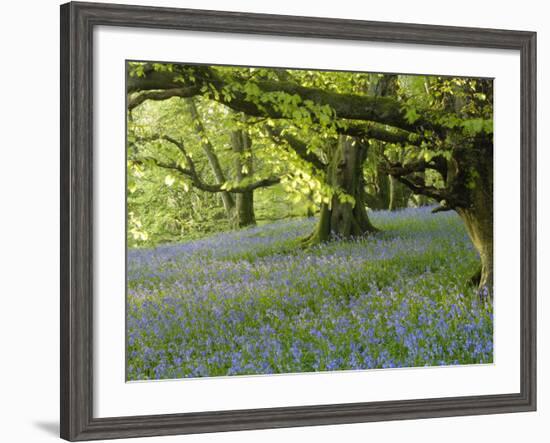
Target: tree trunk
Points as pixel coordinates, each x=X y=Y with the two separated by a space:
x=477 y=183
x=245 y=209
x=310 y=211
x=227 y=198
x=321 y=233
x=346 y=216
x=479 y=224
x=240 y=142
x=377 y=197
x=391 y=204
x=399 y=194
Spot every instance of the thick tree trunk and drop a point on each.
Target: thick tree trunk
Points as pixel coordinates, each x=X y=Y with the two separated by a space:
x=240 y=142
x=346 y=216
x=478 y=215
x=321 y=232
x=479 y=224
x=345 y=173
x=245 y=209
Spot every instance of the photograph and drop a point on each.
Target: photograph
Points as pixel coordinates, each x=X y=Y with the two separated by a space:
x=286 y=220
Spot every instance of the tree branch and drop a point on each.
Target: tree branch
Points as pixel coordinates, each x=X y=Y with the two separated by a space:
x=385 y=110
x=418 y=186
x=377 y=131
x=191 y=171
x=135 y=100
x=298 y=146
x=437 y=163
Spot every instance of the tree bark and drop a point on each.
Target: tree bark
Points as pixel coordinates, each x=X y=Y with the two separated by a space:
x=240 y=142
x=478 y=215
x=344 y=217
x=470 y=176
x=479 y=224
x=391 y=203
x=321 y=233
x=398 y=194
x=245 y=209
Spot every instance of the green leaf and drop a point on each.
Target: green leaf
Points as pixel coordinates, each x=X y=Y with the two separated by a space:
x=411 y=115
x=169 y=180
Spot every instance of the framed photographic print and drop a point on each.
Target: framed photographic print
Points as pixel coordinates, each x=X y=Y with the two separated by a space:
x=273 y=221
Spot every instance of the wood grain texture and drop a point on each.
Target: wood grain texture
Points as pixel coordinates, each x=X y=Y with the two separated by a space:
x=76 y=307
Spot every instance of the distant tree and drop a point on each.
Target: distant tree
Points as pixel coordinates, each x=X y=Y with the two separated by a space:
x=237 y=194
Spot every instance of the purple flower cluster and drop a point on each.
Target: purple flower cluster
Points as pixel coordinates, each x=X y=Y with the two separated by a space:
x=251 y=302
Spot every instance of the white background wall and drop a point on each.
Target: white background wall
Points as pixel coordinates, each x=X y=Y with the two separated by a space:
x=29 y=170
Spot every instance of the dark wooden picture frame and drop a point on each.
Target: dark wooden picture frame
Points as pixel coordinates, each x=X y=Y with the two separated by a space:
x=77 y=23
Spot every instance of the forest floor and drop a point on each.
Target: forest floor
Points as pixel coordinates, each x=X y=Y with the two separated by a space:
x=253 y=302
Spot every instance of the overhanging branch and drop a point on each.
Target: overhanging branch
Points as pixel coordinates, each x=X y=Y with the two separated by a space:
x=418 y=186
x=384 y=110
x=191 y=172
x=298 y=146
x=135 y=100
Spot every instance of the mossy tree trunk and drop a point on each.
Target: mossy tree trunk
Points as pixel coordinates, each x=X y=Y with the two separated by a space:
x=346 y=215
x=478 y=215
x=240 y=142
x=479 y=224
x=245 y=209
